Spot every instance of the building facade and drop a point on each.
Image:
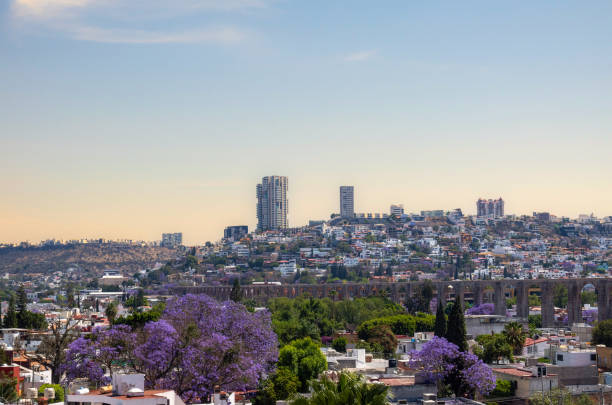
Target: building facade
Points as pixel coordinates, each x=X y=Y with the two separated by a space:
x=272 y=205
x=234 y=233
x=490 y=208
x=397 y=210
x=347 y=201
x=172 y=239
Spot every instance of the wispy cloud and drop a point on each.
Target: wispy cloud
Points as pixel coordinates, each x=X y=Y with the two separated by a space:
x=129 y=21
x=359 y=56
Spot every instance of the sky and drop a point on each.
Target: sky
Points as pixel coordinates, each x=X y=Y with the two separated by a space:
x=129 y=118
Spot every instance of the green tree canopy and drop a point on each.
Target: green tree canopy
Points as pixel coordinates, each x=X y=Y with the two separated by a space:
x=351 y=389
x=304 y=359
x=602 y=333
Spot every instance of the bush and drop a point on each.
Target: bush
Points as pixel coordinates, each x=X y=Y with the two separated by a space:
x=339 y=344
x=59 y=392
x=503 y=388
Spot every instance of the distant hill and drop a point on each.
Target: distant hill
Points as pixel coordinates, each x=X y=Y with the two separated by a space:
x=93 y=257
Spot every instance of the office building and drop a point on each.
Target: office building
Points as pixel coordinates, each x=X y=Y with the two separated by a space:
x=272 y=203
x=234 y=233
x=172 y=239
x=397 y=210
x=490 y=208
x=347 y=202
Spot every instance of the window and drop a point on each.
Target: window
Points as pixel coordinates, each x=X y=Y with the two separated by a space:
x=593 y=357
x=559 y=357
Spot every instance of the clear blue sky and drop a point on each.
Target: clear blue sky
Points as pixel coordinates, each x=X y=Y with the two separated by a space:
x=128 y=118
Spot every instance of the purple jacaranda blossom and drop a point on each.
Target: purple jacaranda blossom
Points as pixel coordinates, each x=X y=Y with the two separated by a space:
x=482 y=309
x=439 y=360
x=589 y=315
x=103 y=352
x=197 y=344
x=200 y=343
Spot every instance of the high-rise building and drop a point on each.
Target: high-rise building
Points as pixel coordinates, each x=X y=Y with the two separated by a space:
x=172 y=239
x=347 y=202
x=272 y=203
x=396 y=210
x=490 y=208
x=234 y=233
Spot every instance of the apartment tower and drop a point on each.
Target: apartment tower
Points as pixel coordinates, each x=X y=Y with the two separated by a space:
x=347 y=202
x=272 y=203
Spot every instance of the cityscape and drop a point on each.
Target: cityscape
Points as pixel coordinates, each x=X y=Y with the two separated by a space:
x=263 y=202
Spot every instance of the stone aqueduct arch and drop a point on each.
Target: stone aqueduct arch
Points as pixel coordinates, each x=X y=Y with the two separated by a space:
x=444 y=290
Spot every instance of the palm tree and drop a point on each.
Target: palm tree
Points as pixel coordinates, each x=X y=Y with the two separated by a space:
x=515 y=336
x=351 y=389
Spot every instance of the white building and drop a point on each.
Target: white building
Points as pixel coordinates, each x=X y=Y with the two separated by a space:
x=286 y=267
x=127 y=389
x=397 y=210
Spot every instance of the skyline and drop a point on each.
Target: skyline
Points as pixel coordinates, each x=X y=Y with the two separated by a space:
x=126 y=120
x=253 y=228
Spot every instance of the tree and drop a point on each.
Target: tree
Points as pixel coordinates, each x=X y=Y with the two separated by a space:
x=140 y=300
x=111 y=311
x=303 y=358
x=515 y=336
x=442 y=362
x=456 y=326
x=236 y=293
x=351 y=389
x=197 y=344
x=588 y=297
x=52 y=350
x=420 y=301
x=339 y=344
x=70 y=301
x=382 y=337
x=10 y=319
x=22 y=307
x=559 y=396
x=8 y=389
x=440 y=325
x=560 y=296
x=503 y=389
x=602 y=333
x=494 y=348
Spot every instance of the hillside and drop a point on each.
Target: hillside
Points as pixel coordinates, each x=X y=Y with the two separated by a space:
x=93 y=257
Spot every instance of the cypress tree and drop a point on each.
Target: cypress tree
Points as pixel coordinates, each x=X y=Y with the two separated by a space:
x=10 y=320
x=440 y=325
x=236 y=293
x=456 y=326
x=22 y=308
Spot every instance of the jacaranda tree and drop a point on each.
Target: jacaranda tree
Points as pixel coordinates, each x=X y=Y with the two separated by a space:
x=443 y=362
x=197 y=344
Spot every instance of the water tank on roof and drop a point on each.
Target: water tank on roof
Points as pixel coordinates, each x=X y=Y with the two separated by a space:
x=607 y=378
x=31 y=393
x=134 y=392
x=49 y=393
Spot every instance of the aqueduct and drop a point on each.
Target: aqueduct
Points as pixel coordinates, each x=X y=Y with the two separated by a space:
x=475 y=291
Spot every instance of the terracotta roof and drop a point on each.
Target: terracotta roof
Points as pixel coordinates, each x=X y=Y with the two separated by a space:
x=395 y=382
x=514 y=371
x=530 y=341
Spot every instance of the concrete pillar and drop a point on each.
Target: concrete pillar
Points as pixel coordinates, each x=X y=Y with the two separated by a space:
x=574 y=304
x=522 y=300
x=548 y=309
x=460 y=292
x=477 y=293
x=441 y=289
x=500 y=299
x=603 y=300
